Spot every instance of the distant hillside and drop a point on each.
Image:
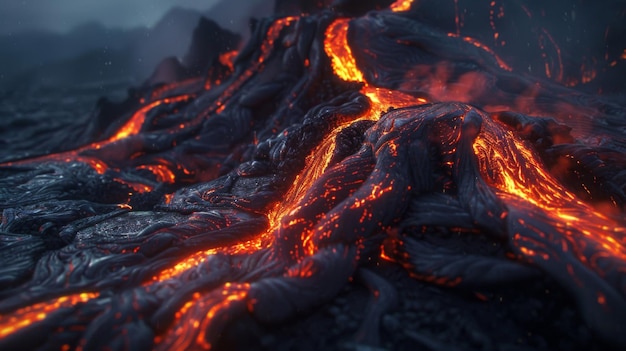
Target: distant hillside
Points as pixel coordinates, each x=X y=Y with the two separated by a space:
x=93 y=52
x=235 y=14
x=29 y=51
x=170 y=36
x=97 y=67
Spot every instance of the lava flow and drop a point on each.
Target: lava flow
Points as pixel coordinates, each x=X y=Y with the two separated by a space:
x=332 y=148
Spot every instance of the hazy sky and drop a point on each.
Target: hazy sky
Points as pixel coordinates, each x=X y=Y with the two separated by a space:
x=62 y=15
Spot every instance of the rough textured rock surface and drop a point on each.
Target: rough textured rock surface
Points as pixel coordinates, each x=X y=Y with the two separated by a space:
x=347 y=180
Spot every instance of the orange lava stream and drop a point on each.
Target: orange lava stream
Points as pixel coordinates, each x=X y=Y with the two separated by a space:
x=29 y=315
x=239 y=294
x=131 y=127
x=171 y=88
x=486 y=48
x=162 y=173
x=194 y=322
x=340 y=53
x=228 y=59
x=263 y=240
x=557 y=49
x=537 y=187
x=316 y=164
x=182 y=266
x=190 y=262
x=134 y=124
x=345 y=67
x=26 y=316
x=266 y=50
x=401 y=5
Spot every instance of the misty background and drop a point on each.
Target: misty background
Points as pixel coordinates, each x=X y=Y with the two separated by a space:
x=60 y=43
x=70 y=43
x=61 y=61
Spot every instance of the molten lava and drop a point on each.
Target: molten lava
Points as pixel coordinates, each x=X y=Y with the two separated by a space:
x=331 y=146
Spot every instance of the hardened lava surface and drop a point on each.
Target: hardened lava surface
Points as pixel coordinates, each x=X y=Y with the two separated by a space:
x=345 y=180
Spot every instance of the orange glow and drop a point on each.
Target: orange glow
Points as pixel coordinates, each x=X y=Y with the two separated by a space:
x=484 y=47
x=401 y=5
x=588 y=74
x=192 y=323
x=557 y=49
x=97 y=165
x=168 y=198
x=260 y=242
x=273 y=33
x=345 y=67
x=263 y=240
x=131 y=127
x=163 y=173
x=228 y=59
x=305 y=270
x=383 y=99
x=134 y=124
x=340 y=53
x=169 y=89
x=222 y=305
x=184 y=265
x=266 y=50
x=537 y=187
x=498 y=164
x=29 y=315
x=137 y=187
x=316 y=164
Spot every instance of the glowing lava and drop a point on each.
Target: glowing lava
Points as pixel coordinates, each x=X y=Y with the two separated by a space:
x=401 y=5
x=30 y=315
x=231 y=244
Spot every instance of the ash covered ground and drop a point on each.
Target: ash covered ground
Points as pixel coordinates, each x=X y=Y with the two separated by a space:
x=313 y=189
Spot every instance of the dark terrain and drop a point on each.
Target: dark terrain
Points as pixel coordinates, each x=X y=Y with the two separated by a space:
x=416 y=240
